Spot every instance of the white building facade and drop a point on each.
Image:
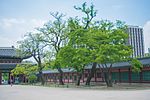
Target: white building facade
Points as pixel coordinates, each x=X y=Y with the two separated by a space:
x=136 y=40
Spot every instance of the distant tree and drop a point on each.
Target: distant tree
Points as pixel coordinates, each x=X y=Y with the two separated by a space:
x=136 y=65
x=26 y=70
x=32 y=46
x=32 y=78
x=18 y=71
x=54 y=33
x=147 y=55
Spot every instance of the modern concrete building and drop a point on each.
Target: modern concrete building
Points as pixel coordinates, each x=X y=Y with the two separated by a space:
x=136 y=40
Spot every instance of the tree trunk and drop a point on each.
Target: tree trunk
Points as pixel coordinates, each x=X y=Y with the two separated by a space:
x=79 y=78
x=41 y=78
x=108 y=79
x=61 y=76
x=91 y=74
x=106 y=71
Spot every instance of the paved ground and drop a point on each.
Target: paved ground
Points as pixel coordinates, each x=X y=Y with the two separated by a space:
x=19 y=92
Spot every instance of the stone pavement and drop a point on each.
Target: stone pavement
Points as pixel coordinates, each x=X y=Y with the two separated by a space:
x=18 y=92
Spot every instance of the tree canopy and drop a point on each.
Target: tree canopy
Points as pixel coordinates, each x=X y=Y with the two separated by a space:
x=77 y=42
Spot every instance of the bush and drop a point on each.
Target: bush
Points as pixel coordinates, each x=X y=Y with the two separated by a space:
x=32 y=78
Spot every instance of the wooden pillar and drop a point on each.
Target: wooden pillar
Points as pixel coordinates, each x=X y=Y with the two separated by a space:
x=141 y=76
x=9 y=77
x=64 y=77
x=119 y=76
x=0 y=78
x=129 y=75
x=13 y=77
x=73 y=78
x=95 y=75
x=50 y=76
x=83 y=76
x=24 y=79
x=68 y=77
x=55 y=78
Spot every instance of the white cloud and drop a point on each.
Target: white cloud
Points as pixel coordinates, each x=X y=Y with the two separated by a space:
x=8 y=23
x=13 y=29
x=146 y=32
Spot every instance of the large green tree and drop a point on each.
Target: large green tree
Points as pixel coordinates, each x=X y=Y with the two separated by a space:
x=107 y=42
x=104 y=40
x=75 y=54
x=111 y=46
x=87 y=23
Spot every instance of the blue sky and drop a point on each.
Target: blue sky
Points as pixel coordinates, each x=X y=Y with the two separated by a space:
x=20 y=16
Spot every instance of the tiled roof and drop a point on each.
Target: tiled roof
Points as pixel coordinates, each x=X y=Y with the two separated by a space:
x=7 y=66
x=8 y=51
x=56 y=71
x=144 y=61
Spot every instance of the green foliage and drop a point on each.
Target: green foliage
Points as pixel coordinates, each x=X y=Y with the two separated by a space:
x=18 y=70
x=105 y=41
x=5 y=76
x=32 y=46
x=108 y=43
x=90 y=13
x=75 y=54
x=24 y=69
x=101 y=41
x=32 y=78
x=147 y=55
x=77 y=42
x=136 y=65
x=76 y=58
x=54 y=32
